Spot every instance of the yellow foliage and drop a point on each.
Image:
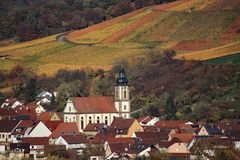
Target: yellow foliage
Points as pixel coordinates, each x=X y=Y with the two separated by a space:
x=224 y=50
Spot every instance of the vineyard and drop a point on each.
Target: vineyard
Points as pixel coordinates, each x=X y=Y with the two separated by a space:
x=98 y=36
x=195 y=29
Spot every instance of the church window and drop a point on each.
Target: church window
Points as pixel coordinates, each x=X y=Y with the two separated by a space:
x=125 y=94
x=81 y=122
x=90 y=120
x=98 y=119
x=106 y=120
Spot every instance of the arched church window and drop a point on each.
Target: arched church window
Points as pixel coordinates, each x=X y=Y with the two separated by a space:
x=81 y=122
x=90 y=120
x=98 y=119
x=106 y=120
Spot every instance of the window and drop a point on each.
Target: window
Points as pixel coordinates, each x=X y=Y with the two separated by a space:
x=9 y=136
x=90 y=120
x=106 y=120
x=69 y=109
x=125 y=107
x=81 y=122
x=98 y=119
x=73 y=119
x=0 y=136
x=116 y=94
x=3 y=136
x=125 y=94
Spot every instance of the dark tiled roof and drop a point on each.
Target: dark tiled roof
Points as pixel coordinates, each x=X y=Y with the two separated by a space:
x=75 y=139
x=94 y=127
x=94 y=104
x=120 y=123
x=213 y=129
x=170 y=124
x=36 y=140
x=7 y=112
x=8 y=125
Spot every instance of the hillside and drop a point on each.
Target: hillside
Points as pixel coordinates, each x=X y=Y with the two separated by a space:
x=196 y=29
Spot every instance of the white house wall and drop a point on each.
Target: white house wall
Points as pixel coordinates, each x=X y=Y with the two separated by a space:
x=40 y=131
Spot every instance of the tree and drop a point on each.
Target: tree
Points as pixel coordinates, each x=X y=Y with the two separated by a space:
x=31 y=90
x=160 y=155
x=224 y=154
x=170 y=108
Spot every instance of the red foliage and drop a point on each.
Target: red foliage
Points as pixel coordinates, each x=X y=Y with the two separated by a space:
x=223 y=5
x=190 y=45
x=129 y=29
x=102 y=25
x=232 y=31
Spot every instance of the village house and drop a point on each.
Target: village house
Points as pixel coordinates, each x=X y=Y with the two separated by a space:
x=62 y=130
x=11 y=103
x=40 y=130
x=19 y=150
x=125 y=127
x=6 y=129
x=37 y=146
x=77 y=142
x=99 y=109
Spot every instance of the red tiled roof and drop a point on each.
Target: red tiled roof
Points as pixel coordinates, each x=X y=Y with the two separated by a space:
x=52 y=125
x=46 y=116
x=31 y=106
x=96 y=104
x=7 y=112
x=93 y=127
x=170 y=124
x=36 y=140
x=120 y=148
x=100 y=138
x=75 y=139
x=183 y=137
x=120 y=140
x=65 y=129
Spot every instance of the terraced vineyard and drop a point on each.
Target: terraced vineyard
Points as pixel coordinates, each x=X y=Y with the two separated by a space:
x=196 y=29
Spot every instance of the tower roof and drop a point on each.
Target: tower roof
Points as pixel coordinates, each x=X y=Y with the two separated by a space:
x=121 y=80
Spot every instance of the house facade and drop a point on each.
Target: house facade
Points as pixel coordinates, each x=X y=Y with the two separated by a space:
x=99 y=109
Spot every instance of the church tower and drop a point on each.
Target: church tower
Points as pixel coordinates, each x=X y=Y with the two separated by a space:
x=122 y=99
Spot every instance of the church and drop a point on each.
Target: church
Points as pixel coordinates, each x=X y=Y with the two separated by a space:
x=100 y=109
